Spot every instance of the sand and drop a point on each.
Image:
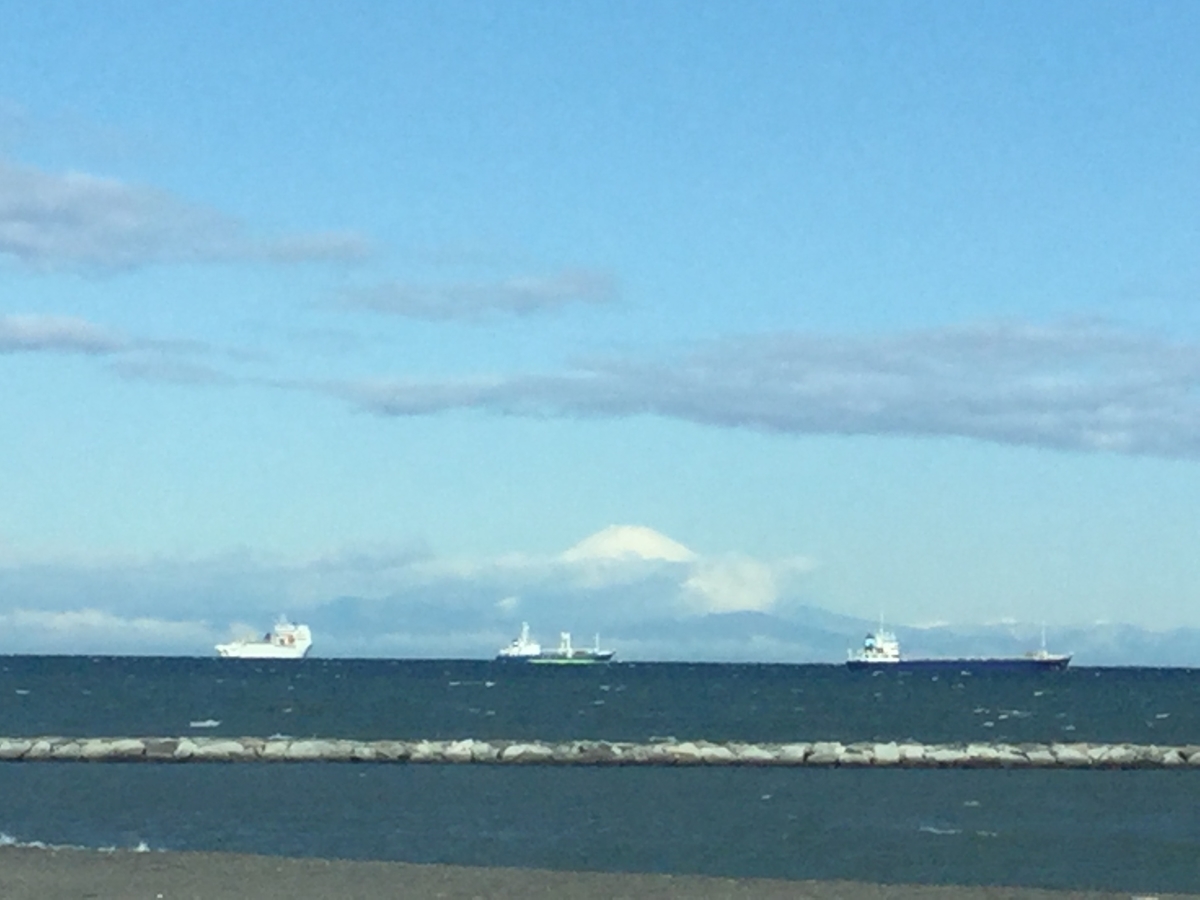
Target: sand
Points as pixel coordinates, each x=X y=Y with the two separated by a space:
x=59 y=874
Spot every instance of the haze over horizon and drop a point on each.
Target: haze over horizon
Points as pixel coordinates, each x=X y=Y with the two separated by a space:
x=423 y=321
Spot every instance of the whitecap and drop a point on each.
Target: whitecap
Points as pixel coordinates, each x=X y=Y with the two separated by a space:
x=204 y=723
x=139 y=847
x=7 y=840
x=930 y=829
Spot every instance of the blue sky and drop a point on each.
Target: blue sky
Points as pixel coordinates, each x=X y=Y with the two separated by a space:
x=881 y=308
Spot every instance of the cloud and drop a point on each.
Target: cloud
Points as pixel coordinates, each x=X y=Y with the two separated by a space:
x=164 y=369
x=739 y=583
x=1073 y=386
x=743 y=585
x=14 y=121
x=94 y=630
x=130 y=358
x=73 y=220
x=392 y=601
x=508 y=604
x=474 y=300
x=92 y=620
x=57 y=334
x=367 y=600
x=621 y=574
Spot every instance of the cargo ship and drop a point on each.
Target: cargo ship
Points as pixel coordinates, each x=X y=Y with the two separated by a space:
x=526 y=650
x=284 y=641
x=881 y=650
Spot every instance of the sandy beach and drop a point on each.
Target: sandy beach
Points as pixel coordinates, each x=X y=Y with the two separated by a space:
x=62 y=874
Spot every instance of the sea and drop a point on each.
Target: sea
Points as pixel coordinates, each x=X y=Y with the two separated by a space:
x=1132 y=830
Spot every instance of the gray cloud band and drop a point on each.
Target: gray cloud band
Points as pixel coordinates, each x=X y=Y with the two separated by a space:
x=72 y=220
x=57 y=334
x=133 y=359
x=1074 y=386
x=473 y=300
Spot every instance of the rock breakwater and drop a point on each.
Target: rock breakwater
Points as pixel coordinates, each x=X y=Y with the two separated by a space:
x=601 y=753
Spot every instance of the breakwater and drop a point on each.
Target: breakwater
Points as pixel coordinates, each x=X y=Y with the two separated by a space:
x=667 y=752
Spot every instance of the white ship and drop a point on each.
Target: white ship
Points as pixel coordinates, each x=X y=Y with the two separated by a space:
x=284 y=641
x=525 y=649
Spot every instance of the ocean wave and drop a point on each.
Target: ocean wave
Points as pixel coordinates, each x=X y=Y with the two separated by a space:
x=7 y=840
x=932 y=829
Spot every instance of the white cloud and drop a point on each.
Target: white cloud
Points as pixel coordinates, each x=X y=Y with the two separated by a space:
x=738 y=583
x=508 y=604
x=74 y=220
x=731 y=585
x=96 y=630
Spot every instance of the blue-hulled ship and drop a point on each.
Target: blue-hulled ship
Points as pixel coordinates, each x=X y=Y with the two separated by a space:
x=881 y=650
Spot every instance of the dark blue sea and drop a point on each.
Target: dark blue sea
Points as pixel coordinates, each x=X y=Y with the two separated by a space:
x=1122 y=830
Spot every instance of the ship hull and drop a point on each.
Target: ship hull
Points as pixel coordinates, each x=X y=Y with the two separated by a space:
x=575 y=661
x=1013 y=664
x=550 y=659
x=260 y=651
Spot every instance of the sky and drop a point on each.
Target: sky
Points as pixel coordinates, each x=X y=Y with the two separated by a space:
x=419 y=320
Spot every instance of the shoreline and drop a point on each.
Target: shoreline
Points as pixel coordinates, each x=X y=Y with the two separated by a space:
x=35 y=873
